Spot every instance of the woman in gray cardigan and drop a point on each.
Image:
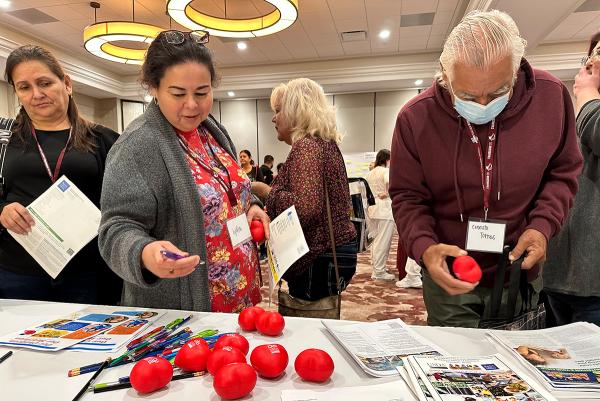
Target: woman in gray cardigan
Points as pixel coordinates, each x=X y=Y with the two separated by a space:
x=173 y=193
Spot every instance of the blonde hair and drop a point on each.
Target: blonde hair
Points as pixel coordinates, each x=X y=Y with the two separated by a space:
x=481 y=39
x=303 y=104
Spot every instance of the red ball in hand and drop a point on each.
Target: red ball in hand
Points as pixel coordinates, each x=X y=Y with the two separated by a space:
x=233 y=340
x=270 y=323
x=192 y=357
x=247 y=317
x=465 y=268
x=269 y=360
x=314 y=365
x=257 y=230
x=234 y=381
x=150 y=374
x=222 y=357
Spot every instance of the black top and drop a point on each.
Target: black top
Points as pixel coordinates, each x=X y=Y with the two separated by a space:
x=26 y=179
x=255 y=174
x=267 y=174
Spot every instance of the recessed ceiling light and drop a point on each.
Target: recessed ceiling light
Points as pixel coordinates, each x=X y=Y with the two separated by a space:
x=419 y=82
x=231 y=93
x=242 y=45
x=4 y=3
x=384 y=34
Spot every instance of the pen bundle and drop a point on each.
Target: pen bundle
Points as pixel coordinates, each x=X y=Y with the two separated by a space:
x=163 y=341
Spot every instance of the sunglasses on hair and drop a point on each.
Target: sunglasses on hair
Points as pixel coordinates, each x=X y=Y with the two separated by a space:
x=177 y=37
x=595 y=53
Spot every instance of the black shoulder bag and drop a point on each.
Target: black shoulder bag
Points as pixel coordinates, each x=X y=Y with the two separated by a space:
x=5 y=135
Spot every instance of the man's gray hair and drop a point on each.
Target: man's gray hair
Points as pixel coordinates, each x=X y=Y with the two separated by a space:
x=480 y=40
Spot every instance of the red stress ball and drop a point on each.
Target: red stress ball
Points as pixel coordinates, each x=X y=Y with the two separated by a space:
x=150 y=374
x=234 y=381
x=222 y=357
x=314 y=365
x=247 y=317
x=192 y=357
x=257 y=230
x=233 y=340
x=270 y=323
x=465 y=268
x=269 y=360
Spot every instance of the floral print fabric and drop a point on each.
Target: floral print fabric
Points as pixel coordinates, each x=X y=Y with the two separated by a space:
x=232 y=272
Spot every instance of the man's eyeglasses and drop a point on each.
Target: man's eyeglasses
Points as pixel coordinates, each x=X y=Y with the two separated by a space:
x=586 y=59
x=177 y=37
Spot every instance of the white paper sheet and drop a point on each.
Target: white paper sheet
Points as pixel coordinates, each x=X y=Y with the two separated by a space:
x=65 y=221
x=392 y=391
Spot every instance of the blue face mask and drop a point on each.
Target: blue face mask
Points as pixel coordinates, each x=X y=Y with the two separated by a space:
x=476 y=113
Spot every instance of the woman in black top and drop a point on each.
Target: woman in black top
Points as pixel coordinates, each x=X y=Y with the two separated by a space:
x=252 y=171
x=48 y=125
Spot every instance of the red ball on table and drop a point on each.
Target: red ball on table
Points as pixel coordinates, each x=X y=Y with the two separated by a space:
x=270 y=323
x=247 y=317
x=192 y=357
x=233 y=340
x=234 y=381
x=222 y=357
x=150 y=374
x=314 y=365
x=269 y=360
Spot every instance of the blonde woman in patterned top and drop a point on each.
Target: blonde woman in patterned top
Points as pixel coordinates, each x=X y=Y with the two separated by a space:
x=304 y=120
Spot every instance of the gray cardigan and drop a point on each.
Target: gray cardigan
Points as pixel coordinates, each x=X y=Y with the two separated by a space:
x=573 y=261
x=149 y=194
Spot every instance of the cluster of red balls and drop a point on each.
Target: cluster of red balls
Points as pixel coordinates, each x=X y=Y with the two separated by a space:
x=233 y=377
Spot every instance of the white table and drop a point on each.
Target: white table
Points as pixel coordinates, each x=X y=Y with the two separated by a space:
x=36 y=375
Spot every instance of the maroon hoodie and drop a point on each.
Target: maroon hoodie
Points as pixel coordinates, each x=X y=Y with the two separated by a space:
x=435 y=172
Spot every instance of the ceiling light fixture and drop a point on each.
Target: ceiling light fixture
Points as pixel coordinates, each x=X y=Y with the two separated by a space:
x=419 y=82
x=4 y=3
x=97 y=38
x=282 y=17
x=384 y=34
x=231 y=93
x=242 y=45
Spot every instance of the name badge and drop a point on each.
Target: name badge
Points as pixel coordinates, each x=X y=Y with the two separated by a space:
x=485 y=236
x=239 y=230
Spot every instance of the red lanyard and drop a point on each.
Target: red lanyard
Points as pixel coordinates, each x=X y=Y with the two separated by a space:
x=486 y=169
x=53 y=177
x=227 y=187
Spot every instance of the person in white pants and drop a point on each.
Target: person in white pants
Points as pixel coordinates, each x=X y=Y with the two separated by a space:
x=381 y=216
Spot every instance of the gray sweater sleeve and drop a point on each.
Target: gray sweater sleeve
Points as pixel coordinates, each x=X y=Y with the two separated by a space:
x=128 y=214
x=588 y=126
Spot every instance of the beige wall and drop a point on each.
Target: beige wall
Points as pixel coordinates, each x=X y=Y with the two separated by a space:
x=8 y=100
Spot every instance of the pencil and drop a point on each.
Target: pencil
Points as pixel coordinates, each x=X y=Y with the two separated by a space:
x=121 y=384
x=84 y=389
x=5 y=356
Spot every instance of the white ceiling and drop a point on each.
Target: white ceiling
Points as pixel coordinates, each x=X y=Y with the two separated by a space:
x=312 y=45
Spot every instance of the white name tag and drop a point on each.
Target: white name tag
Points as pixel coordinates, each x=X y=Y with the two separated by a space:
x=485 y=236
x=239 y=230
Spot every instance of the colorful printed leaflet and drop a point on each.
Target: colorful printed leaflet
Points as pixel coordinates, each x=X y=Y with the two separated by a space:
x=64 y=332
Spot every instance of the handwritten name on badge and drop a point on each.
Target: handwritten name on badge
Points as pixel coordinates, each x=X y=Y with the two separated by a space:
x=485 y=236
x=239 y=230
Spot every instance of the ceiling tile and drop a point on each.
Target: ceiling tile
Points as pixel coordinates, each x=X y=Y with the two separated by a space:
x=415 y=32
x=387 y=7
x=443 y=17
x=447 y=5
x=416 y=19
x=418 y=6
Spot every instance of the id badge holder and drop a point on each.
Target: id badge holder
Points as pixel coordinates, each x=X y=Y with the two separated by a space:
x=485 y=235
x=239 y=230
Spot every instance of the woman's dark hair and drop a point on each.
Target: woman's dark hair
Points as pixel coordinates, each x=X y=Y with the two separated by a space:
x=161 y=55
x=279 y=166
x=593 y=42
x=382 y=157
x=247 y=152
x=81 y=129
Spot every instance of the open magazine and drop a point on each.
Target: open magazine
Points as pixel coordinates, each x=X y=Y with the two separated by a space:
x=378 y=347
x=565 y=358
x=487 y=378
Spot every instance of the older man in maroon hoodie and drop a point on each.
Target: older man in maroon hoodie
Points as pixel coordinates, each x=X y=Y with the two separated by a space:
x=492 y=140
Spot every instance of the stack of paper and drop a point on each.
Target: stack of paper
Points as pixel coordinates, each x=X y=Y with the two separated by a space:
x=91 y=329
x=378 y=347
x=487 y=378
x=566 y=358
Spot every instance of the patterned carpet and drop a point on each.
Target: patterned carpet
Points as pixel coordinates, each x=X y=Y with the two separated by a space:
x=369 y=300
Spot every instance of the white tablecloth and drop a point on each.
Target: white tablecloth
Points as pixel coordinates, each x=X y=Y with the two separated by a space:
x=42 y=376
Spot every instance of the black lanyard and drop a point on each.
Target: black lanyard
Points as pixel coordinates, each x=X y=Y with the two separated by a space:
x=227 y=186
x=53 y=176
